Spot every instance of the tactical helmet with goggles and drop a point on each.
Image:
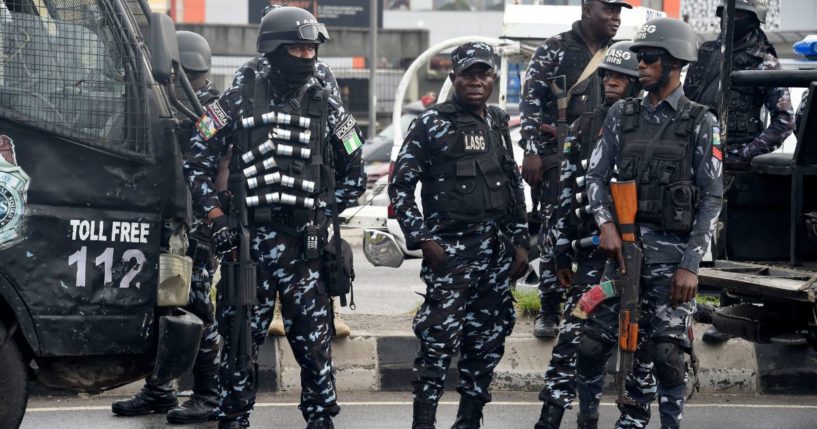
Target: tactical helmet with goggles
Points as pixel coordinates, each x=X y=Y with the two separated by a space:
x=756 y=7
x=289 y=24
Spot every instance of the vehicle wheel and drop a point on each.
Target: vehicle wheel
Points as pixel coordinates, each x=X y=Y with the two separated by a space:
x=14 y=376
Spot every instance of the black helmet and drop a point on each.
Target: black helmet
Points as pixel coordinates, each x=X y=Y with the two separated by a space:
x=756 y=7
x=619 y=58
x=676 y=37
x=289 y=24
x=194 y=52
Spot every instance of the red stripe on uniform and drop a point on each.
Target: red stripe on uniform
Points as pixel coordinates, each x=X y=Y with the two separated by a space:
x=717 y=153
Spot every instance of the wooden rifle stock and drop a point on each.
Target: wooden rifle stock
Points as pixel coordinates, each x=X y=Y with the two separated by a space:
x=625 y=200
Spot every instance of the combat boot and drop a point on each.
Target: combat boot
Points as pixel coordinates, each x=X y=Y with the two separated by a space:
x=469 y=413
x=545 y=326
x=239 y=423
x=588 y=422
x=341 y=328
x=150 y=399
x=425 y=415
x=715 y=336
x=322 y=421
x=202 y=405
x=550 y=417
x=276 y=328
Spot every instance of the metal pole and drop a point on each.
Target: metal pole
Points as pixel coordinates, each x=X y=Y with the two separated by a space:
x=373 y=68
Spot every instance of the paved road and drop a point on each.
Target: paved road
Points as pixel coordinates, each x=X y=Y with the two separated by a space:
x=384 y=290
x=393 y=410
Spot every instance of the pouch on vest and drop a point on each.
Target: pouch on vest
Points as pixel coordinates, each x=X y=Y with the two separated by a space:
x=338 y=282
x=680 y=203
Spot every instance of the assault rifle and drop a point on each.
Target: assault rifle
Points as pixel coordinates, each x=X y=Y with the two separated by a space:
x=238 y=268
x=625 y=200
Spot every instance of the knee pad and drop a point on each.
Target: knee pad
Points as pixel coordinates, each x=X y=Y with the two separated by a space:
x=592 y=355
x=669 y=364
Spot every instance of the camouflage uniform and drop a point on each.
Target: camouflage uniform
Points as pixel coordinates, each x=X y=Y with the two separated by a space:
x=563 y=54
x=747 y=138
x=468 y=306
x=663 y=328
x=586 y=264
x=200 y=304
x=283 y=269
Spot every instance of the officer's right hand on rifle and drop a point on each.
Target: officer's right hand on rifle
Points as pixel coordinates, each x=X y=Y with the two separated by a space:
x=610 y=243
x=223 y=237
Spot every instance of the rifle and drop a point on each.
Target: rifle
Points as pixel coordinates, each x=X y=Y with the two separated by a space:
x=625 y=200
x=558 y=86
x=238 y=268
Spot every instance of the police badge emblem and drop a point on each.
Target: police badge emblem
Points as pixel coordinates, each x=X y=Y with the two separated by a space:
x=13 y=192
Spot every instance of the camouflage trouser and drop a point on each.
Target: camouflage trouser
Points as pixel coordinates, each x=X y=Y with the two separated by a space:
x=306 y=310
x=468 y=309
x=201 y=305
x=660 y=324
x=560 y=375
x=551 y=293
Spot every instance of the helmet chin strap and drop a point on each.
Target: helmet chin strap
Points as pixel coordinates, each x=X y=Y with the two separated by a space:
x=666 y=67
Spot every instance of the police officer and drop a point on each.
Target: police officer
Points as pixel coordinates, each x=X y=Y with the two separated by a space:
x=579 y=262
x=326 y=78
x=671 y=147
x=472 y=232
x=746 y=136
x=194 y=53
x=303 y=169
x=570 y=54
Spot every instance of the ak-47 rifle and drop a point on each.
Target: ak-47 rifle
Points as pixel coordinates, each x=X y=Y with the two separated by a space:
x=625 y=200
x=238 y=268
x=558 y=86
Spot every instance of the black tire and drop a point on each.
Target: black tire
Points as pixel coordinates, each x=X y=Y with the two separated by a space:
x=14 y=378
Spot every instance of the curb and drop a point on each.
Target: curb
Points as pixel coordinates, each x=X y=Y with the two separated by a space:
x=382 y=361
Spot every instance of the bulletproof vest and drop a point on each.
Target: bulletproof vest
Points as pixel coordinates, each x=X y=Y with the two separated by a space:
x=590 y=124
x=659 y=158
x=744 y=102
x=471 y=169
x=299 y=159
x=587 y=95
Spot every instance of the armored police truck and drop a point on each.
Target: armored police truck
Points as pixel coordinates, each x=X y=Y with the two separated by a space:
x=93 y=205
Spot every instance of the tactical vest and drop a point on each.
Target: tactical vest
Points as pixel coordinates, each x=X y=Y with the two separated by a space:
x=659 y=158
x=470 y=174
x=300 y=162
x=588 y=94
x=590 y=124
x=744 y=102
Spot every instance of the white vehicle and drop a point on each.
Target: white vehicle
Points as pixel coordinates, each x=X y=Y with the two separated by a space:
x=525 y=27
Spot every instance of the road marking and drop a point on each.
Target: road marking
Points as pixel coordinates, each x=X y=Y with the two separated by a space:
x=407 y=403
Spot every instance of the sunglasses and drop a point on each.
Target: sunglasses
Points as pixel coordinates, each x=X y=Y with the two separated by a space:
x=649 y=57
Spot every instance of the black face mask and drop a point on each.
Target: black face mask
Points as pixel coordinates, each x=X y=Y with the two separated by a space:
x=743 y=26
x=294 y=71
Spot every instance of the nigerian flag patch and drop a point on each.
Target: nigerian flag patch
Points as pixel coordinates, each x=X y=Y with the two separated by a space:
x=352 y=142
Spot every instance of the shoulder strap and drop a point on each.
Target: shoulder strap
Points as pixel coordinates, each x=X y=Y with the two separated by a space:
x=589 y=69
x=630 y=111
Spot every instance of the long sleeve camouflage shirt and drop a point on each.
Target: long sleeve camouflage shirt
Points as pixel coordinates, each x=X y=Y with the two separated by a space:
x=414 y=160
x=537 y=96
x=201 y=160
x=660 y=246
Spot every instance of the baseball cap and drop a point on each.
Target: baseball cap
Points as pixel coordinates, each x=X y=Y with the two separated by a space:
x=618 y=2
x=471 y=53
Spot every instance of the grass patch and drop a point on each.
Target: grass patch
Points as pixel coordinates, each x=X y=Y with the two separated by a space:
x=527 y=302
x=712 y=300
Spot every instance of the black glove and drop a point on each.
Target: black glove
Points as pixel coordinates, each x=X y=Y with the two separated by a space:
x=223 y=238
